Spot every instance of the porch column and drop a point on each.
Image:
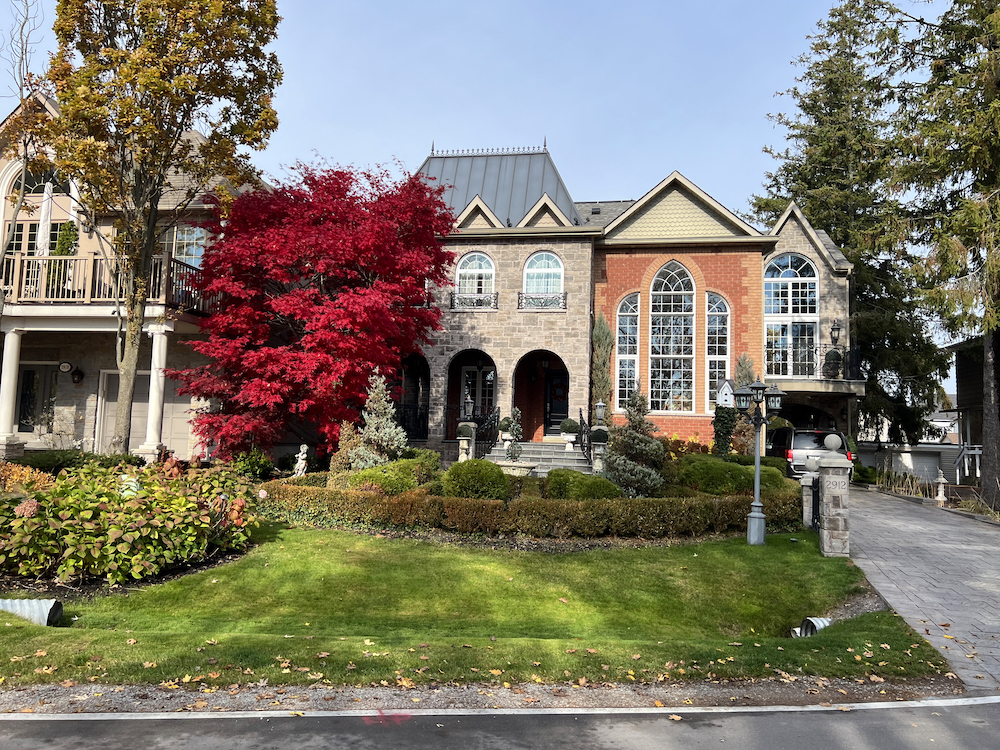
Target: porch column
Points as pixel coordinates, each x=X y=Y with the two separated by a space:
x=10 y=445
x=153 y=445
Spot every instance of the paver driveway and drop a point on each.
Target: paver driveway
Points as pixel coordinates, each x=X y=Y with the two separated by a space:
x=935 y=568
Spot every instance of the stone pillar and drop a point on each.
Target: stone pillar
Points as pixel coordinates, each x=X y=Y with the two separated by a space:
x=806 y=480
x=599 y=448
x=10 y=445
x=152 y=446
x=834 y=490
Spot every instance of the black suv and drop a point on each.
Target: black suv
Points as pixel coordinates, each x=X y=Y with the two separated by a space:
x=795 y=446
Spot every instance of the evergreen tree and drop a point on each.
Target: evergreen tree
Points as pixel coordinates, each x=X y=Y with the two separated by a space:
x=602 y=342
x=838 y=169
x=948 y=131
x=382 y=437
x=634 y=456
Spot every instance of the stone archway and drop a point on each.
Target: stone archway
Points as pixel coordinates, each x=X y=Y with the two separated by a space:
x=541 y=392
x=472 y=386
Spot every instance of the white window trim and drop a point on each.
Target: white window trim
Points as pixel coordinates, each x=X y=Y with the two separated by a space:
x=709 y=406
x=634 y=358
x=562 y=271
x=492 y=272
x=789 y=318
x=694 y=345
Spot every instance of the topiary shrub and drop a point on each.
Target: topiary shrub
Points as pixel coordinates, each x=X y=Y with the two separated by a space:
x=594 y=488
x=570 y=426
x=716 y=477
x=559 y=483
x=723 y=423
x=390 y=479
x=477 y=479
x=465 y=431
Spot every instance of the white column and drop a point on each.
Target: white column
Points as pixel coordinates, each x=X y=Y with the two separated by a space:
x=10 y=446
x=153 y=444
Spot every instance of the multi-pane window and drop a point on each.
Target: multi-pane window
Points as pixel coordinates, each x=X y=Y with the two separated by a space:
x=627 y=349
x=717 y=321
x=474 y=282
x=543 y=282
x=184 y=243
x=791 y=312
x=671 y=340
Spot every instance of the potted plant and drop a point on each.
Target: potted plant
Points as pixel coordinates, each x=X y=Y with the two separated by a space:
x=505 y=435
x=569 y=428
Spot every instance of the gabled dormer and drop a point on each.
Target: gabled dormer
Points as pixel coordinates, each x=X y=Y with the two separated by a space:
x=793 y=228
x=545 y=213
x=477 y=215
x=677 y=209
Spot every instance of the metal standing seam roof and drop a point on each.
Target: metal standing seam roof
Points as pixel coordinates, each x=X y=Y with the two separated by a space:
x=509 y=182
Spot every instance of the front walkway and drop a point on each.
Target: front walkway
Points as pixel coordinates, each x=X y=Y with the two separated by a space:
x=940 y=572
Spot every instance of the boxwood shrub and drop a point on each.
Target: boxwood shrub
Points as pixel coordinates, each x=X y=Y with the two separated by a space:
x=390 y=479
x=478 y=479
x=567 y=484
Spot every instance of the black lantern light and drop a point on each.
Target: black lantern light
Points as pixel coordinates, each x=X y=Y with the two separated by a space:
x=599 y=410
x=773 y=397
x=835 y=332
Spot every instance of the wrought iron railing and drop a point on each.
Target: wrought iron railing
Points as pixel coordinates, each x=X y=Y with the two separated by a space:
x=413 y=418
x=487 y=432
x=584 y=436
x=461 y=301
x=823 y=362
x=541 y=301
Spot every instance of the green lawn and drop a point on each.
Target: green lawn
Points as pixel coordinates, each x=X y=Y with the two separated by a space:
x=308 y=605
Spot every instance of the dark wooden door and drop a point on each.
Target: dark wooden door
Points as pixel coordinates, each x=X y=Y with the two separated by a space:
x=556 y=400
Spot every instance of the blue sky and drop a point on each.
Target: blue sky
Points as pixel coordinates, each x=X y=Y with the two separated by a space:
x=623 y=93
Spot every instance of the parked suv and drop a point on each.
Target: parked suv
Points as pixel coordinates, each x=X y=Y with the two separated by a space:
x=795 y=446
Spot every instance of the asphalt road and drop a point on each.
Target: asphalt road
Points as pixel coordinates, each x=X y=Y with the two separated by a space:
x=962 y=724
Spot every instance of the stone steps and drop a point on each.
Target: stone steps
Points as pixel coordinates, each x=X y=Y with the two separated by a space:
x=548 y=456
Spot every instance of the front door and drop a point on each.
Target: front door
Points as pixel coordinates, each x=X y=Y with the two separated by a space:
x=556 y=400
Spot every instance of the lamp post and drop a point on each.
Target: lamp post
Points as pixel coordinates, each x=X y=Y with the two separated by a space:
x=756 y=396
x=599 y=410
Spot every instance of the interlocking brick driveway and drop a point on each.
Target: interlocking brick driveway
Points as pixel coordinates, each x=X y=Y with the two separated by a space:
x=935 y=568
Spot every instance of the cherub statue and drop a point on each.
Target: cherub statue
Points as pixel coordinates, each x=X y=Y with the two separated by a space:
x=300 y=461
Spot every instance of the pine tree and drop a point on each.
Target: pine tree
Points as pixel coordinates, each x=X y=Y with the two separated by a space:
x=947 y=129
x=838 y=169
x=634 y=456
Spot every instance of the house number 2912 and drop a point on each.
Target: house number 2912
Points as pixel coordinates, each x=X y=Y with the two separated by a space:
x=833 y=485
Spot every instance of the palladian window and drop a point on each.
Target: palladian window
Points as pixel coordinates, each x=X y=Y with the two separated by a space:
x=671 y=340
x=627 y=350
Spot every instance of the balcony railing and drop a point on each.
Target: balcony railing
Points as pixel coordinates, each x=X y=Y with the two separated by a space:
x=460 y=301
x=86 y=279
x=541 y=301
x=824 y=362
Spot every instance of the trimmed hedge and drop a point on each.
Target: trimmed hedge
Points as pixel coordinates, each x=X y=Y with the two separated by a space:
x=54 y=461
x=567 y=484
x=719 y=477
x=390 y=479
x=773 y=461
x=642 y=517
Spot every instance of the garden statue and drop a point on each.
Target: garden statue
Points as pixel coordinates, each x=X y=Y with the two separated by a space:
x=300 y=461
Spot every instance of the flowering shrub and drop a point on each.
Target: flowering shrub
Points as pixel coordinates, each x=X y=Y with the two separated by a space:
x=16 y=474
x=97 y=521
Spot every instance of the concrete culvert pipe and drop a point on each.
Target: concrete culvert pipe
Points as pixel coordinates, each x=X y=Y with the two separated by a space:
x=38 y=611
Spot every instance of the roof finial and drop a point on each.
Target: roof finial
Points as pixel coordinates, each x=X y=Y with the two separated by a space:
x=432 y=148
x=545 y=143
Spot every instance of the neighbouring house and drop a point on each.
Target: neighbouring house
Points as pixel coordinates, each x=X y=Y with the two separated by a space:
x=687 y=285
x=59 y=380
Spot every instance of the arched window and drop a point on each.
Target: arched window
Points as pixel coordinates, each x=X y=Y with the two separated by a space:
x=474 y=282
x=627 y=350
x=717 y=350
x=671 y=340
x=791 y=316
x=543 y=282
x=35 y=184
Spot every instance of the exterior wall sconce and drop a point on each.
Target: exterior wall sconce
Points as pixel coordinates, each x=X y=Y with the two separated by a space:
x=77 y=375
x=835 y=332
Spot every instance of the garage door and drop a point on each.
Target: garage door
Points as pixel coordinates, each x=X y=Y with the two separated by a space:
x=176 y=414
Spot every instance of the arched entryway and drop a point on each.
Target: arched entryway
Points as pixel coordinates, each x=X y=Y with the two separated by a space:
x=414 y=396
x=472 y=388
x=541 y=392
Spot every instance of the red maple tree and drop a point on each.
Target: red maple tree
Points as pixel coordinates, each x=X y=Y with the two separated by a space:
x=319 y=281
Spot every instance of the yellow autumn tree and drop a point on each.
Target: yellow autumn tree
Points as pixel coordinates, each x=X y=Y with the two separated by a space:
x=134 y=80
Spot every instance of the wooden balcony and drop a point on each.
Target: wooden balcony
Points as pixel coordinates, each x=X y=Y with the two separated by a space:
x=86 y=279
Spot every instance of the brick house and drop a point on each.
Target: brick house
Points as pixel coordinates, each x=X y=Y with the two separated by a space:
x=687 y=285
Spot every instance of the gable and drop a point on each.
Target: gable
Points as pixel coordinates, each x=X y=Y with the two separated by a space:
x=476 y=220
x=795 y=234
x=674 y=213
x=545 y=213
x=477 y=215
